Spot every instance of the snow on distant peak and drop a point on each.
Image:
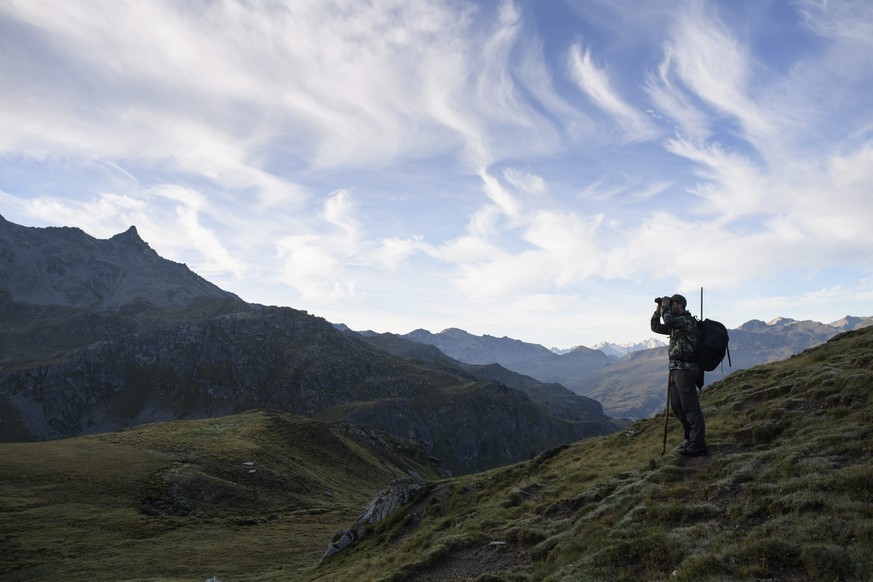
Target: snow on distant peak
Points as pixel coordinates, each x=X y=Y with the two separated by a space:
x=618 y=350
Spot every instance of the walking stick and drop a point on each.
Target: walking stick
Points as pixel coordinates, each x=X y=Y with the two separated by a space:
x=666 y=416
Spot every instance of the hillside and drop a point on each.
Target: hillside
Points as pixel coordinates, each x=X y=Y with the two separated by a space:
x=186 y=500
x=785 y=495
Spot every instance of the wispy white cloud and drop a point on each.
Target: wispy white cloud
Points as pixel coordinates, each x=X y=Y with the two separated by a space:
x=849 y=20
x=594 y=81
x=420 y=158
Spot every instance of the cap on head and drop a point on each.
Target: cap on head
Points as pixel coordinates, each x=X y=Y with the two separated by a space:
x=679 y=299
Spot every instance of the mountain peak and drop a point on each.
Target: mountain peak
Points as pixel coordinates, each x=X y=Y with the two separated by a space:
x=130 y=233
x=66 y=266
x=454 y=332
x=130 y=237
x=850 y=322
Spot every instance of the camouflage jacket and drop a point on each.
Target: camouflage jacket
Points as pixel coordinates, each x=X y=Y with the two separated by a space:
x=682 y=330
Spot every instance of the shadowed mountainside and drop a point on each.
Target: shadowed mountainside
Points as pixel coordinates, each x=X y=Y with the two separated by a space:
x=103 y=335
x=557 y=400
x=65 y=266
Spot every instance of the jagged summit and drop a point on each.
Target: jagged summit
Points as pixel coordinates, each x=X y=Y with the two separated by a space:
x=622 y=349
x=66 y=266
x=130 y=233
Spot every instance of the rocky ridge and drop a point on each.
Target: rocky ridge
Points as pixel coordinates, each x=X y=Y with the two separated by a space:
x=155 y=342
x=65 y=266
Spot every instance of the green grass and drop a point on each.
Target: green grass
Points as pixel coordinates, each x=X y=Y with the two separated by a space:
x=179 y=500
x=787 y=494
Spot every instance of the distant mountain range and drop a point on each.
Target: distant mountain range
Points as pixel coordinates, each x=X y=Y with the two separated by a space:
x=98 y=335
x=522 y=357
x=632 y=385
x=617 y=350
x=621 y=350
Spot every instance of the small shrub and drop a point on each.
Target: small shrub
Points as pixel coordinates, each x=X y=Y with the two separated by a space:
x=828 y=562
x=706 y=567
x=768 y=558
x=767 y=431
x=645 y=556
x=525 y=535
x=856 y=481
x=542 y=550
x=514 y=498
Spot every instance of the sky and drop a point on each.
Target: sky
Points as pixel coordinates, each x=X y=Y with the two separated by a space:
x=536 y=169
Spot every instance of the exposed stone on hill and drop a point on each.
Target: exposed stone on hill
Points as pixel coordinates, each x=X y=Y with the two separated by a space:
x=386 y=502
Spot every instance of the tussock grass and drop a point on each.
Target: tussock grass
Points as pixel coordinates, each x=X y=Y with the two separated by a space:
x=787 y=494
x=252 y=496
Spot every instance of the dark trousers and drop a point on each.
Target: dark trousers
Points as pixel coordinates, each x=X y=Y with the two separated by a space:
x=686 y=406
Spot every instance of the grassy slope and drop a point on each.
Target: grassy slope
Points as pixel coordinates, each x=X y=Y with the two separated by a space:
x=786 y=494
x=176 y=501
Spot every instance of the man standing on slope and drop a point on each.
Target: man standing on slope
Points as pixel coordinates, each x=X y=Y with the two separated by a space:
x=682 y=329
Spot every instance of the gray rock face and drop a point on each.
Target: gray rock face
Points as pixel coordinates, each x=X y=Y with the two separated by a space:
x=386 y=502
x=65 y=266
x=258 y=357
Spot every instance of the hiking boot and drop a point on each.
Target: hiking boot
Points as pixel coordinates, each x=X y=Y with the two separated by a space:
x=690 y=451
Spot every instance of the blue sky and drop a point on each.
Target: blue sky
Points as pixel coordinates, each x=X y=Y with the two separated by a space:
x=533 y=169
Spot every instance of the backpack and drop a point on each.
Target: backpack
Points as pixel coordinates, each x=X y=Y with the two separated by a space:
x=712 y=344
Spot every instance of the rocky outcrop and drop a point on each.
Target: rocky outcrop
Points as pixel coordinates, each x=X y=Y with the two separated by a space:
x=280 y=358
x=386 y=502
